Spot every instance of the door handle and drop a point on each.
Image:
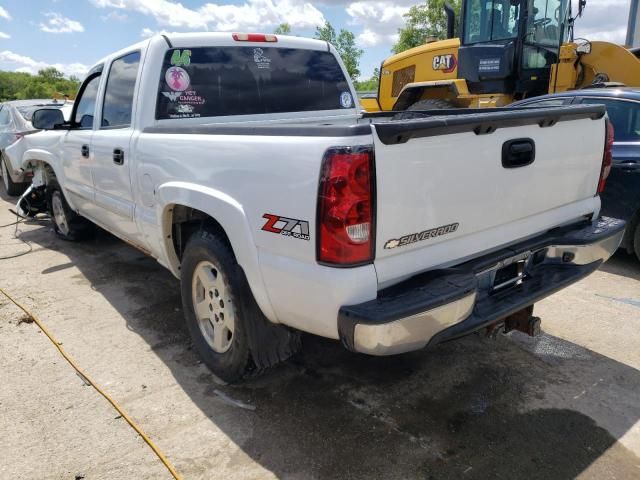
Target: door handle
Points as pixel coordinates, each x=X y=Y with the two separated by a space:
x=518 y=153
x=118 y=156
x=84 y=151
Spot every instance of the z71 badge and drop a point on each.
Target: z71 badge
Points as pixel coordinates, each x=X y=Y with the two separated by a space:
x=419 y=237
x=288 y=227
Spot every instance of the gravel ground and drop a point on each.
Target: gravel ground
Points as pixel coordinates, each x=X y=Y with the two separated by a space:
x=563 y=405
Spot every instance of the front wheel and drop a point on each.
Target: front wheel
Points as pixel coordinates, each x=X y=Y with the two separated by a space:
x=67 y=224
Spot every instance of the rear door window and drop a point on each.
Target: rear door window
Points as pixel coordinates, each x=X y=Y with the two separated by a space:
x=220 y=81
x=625 y=116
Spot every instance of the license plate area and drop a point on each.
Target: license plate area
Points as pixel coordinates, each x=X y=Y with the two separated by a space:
x=509 y=275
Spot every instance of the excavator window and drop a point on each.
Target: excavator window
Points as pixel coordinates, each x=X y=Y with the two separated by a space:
x=491 y=20
x=544 y=29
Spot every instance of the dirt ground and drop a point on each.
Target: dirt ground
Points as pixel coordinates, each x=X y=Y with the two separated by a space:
x=564 y=405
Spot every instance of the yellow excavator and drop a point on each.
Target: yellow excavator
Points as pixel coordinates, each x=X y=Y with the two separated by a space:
x=508 y=50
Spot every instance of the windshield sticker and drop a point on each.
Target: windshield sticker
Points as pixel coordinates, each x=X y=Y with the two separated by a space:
x=178 y=79
x=346 y=100
x=190 y=97
x=181 y=58
x=260 y=59
x=184 y=109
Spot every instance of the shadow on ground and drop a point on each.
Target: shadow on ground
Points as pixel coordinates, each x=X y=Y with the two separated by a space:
x=459 y=411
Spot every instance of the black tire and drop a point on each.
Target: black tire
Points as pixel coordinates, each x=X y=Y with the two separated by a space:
x=13 y=189
x=255 y=343
x=432 y=104
x=420 y=105
x=67 y=224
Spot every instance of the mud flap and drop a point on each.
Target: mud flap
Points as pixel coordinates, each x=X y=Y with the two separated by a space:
x=269 y=343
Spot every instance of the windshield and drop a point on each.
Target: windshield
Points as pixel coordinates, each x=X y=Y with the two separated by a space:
x=490 y=20
x=544 y=32
x=544 y=24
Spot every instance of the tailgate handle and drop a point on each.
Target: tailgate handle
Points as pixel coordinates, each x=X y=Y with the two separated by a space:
x=518 y=153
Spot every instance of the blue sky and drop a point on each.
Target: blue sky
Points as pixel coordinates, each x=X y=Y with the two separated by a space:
x=73 y=34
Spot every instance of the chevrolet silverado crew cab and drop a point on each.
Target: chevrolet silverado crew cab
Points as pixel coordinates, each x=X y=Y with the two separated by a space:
x=244 y=165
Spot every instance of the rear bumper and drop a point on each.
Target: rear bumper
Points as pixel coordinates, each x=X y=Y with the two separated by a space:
x=445 y=304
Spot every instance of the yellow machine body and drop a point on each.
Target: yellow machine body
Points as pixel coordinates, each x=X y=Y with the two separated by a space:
x=430 y=72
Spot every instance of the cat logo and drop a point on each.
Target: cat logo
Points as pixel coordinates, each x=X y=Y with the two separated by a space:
x=445 y=63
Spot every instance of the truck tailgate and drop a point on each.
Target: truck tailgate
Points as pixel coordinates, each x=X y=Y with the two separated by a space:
x=450 y=187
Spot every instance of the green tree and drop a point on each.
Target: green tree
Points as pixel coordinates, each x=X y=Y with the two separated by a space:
x=345 y=43
x=369 y=85
x=423 y=21
x=283 y=29
x=49 y=83
x=51 y=74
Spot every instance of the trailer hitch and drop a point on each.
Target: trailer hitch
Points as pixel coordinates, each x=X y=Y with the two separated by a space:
x=524 y=322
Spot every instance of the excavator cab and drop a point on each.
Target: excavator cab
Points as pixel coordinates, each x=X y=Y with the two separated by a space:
x=509 y=46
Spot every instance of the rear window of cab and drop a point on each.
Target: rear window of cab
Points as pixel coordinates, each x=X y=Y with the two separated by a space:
x=221 y=81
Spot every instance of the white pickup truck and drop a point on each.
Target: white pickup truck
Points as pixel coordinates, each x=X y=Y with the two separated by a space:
x=243 y=164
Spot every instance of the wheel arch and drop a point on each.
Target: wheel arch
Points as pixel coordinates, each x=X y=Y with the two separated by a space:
x=186 y=209
x=441 y=89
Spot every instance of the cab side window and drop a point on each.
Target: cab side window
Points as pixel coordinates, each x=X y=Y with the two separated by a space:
x=87 y=104
x=118 y=98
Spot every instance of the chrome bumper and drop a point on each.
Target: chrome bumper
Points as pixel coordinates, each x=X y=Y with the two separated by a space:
x=439 y=306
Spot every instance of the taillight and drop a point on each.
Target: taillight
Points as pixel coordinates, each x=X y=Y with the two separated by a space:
x=254 y=37
x=346 y=207
x=607 y=158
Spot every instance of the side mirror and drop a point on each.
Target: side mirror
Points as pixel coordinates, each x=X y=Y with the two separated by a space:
x=581 y=6
x=47 y=118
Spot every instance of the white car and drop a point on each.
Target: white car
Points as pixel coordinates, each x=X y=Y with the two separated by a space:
x=242 y=164
x=15 y=122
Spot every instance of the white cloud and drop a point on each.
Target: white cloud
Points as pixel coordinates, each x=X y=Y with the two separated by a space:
x=149 y=32
x=115 y=16
x=4 y=14
x=56 y=23
x=251 y=15
x=4 y=35
x=380 y=21
x=603 y=20
x=28 y=64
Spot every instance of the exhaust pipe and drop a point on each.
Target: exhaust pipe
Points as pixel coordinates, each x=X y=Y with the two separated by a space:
x=451 y=20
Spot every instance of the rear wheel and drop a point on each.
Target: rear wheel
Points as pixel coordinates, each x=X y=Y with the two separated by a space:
x=432 y=104
x=228 y=329
x=428 y=104
x=12 y=188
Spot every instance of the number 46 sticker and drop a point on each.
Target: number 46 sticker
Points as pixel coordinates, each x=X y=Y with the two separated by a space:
x=181 y=58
